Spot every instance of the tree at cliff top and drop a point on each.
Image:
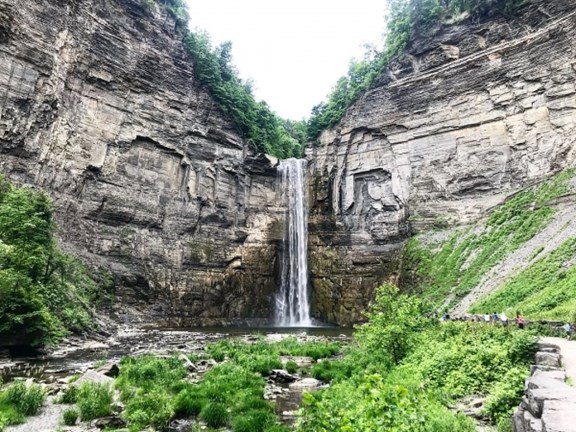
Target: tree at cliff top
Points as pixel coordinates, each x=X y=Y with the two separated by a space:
x=214 y=69
x=44 y=293
x=406 y=18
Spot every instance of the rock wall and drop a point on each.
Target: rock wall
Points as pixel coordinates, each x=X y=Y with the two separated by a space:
x=549 y=403
x=100 y=107
x=472 y=113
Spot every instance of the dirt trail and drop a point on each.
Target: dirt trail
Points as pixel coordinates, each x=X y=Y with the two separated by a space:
x=568 y=351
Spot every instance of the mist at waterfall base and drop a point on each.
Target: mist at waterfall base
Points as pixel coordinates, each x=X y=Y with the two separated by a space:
x=292 y=303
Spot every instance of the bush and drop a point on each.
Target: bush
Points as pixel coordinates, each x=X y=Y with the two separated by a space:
x=254 y=421
x=26 y=399
x=69 y=416
x=69 y=395
x=149 y=408
x=94 y=400
x=291 y=366
x=189 y=402
x=215 y=414
x=147 y=372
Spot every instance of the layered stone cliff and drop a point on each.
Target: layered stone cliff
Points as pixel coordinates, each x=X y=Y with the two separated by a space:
x=469 y=115
x=99 y=106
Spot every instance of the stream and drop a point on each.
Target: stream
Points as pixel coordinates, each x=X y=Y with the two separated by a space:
x=76 y=356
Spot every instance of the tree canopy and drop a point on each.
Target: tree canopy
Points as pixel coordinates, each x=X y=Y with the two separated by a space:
x=406 y=17
x=214 y=69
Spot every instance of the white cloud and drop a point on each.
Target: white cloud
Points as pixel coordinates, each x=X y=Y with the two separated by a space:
x=294 y=51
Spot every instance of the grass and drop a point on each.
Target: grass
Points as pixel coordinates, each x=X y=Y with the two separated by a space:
x=68 y=396
x=19 y=401
x=94 y=400
x=544 y=290
x=455 y=267
x=231 y=394
x=70 y=416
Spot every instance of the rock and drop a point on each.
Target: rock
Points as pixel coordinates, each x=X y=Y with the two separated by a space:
x=448 y=132
x=93 y=376
x=548 y=359
x=187 y=363
x=280 y=375
x=302 y=362
x=150 y=178
x=110 y=369
x=306 y=384
x=110 y=422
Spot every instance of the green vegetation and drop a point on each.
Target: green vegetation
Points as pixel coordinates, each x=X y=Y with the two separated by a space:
x=546 y=289
x=94 y=400
x=406 y=19
x=384 y=385
x=155 y=390
x=19 y=401
x=45 y=293
x=215 y=71
x=453 y=268
x=69 y=416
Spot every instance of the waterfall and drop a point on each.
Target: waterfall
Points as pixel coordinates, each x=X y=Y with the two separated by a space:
x=292 y=303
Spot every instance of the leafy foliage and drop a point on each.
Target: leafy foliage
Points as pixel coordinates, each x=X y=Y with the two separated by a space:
x=406 y=18
x=456 y=266
x=44 y=292
x=19 y=401
x=546 y=289
x=214 y=69
x=69 y=416
x=94 y=400
x=381 y=385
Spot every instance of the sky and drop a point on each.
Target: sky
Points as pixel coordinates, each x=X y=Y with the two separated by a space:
x=295 y=50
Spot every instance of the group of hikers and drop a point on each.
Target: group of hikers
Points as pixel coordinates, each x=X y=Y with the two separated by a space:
x=519 y=321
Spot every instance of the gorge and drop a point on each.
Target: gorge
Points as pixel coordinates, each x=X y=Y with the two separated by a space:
x=156 y=186
x=138 y=203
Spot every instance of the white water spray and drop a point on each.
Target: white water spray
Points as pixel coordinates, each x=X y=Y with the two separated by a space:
x=292 y=303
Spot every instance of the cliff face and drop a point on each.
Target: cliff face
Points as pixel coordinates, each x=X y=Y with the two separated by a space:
x=471 y=114
x=99 y=106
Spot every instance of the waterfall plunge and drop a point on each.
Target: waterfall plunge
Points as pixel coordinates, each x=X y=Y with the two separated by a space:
x=292 y=303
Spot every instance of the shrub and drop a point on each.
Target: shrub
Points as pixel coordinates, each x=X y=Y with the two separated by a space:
x=291 y=366
x=94 y=400
x=68 y=396
x=189 y=402
x=69 y=416
x=215 y=414
x=149 y=408
x=253 y=421
x=26 y=399
x=147 y=372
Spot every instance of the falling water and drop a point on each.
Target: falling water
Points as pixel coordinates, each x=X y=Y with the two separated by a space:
x=292 y=305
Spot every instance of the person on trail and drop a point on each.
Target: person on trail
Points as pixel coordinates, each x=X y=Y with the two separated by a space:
x=504 y=319
x=495 y=317
x=568 y=330
x=487 y=318
x=520 y=321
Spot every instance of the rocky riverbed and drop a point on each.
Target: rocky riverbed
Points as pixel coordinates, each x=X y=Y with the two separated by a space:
x=97 y=360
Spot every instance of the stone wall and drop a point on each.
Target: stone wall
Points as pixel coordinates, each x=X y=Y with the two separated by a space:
x=549 y=403
x=151 y=182
x=472 y=113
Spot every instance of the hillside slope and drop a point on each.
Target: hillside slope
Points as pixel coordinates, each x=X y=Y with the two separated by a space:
x=470 y=115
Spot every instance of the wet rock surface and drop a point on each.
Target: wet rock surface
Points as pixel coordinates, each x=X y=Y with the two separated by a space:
x=473 y=113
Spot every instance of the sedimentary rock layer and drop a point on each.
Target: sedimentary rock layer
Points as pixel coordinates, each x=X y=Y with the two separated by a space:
x=99 y=106
x=472 y=113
